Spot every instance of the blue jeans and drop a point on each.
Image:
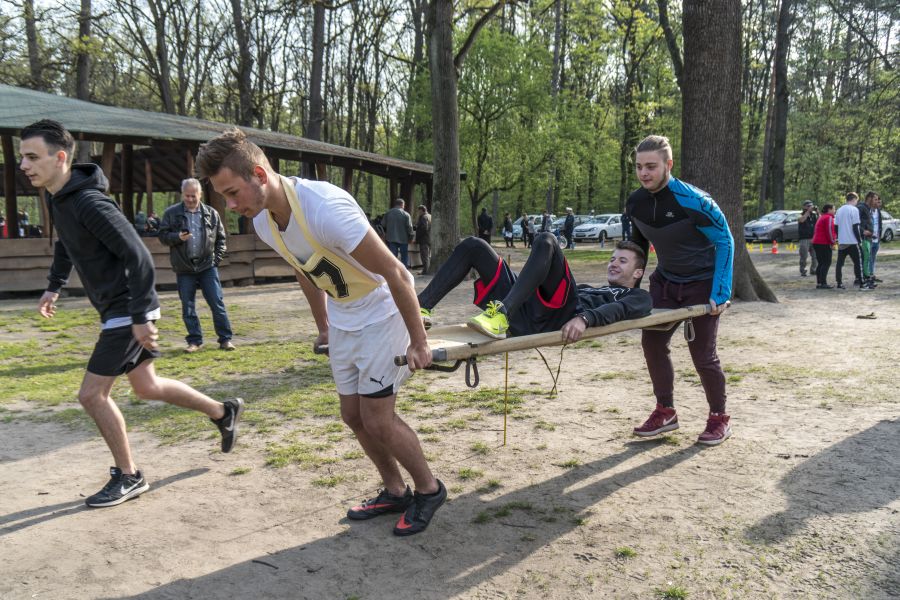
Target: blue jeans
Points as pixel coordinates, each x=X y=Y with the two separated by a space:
x=401 y=251
x=208 y=282
x=873 y=252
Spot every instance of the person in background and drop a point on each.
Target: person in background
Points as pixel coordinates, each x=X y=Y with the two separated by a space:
x=508 y=231
x=626 y=225
x=398 y=231
x=569 y=229
x=423 y=237
x=545 y=222
x=866 y=227
x=485 y=225
x=873 y=200
x=847 y=223
x=823 y=241
x=806 y=225
x=152 y=224
x=195 y=236
x=524 y=222
x=140 y=223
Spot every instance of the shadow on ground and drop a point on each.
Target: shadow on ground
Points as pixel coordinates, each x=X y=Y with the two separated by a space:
x=858 y=474
x=454 y=556
x=34 y=516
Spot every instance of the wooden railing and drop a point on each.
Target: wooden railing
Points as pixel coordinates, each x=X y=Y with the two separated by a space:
x=24 y=263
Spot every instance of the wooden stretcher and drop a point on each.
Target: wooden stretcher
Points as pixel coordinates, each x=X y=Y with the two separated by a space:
x=461 y=344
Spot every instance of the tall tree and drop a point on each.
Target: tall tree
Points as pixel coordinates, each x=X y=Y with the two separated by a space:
x=445 y=68
x=316 y=115
x=711 y=122
x=35 y=63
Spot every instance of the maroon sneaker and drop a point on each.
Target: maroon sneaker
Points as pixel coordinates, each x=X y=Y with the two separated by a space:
x=384 y=502
x=717 y=430
x=661 y=420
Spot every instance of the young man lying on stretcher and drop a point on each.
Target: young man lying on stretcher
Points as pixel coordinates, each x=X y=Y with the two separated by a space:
x=544 y=296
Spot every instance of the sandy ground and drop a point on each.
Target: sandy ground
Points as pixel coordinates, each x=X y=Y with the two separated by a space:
x=802 y=502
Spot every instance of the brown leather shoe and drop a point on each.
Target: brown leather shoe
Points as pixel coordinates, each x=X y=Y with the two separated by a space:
x=226 y=345
x=191 y=348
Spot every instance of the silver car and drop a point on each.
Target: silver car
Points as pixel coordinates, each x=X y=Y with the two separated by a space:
x=890 y=227
x=775 y=226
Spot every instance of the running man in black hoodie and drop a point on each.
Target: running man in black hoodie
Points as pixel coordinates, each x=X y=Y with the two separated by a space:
x=543 y=296
x=117 y=272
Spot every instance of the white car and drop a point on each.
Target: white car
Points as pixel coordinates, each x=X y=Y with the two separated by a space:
x=599 y=228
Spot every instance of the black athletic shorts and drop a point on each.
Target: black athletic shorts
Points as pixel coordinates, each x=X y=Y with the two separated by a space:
x=537 y=314
x=118 y=352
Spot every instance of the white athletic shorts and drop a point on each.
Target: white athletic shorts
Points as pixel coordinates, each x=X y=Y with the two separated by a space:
x=362 y=362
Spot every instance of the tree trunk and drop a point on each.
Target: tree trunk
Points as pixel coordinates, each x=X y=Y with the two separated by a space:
x=779 y=132
x=35 y=64
x=316 y=115
x=244 y=66
x=671 y=40
x=554 y=94
x=83 y=71
x=711 y=123
x=445 y=116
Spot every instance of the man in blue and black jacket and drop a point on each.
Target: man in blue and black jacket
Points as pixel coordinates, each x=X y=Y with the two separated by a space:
x=117 y=273
x=695 y=251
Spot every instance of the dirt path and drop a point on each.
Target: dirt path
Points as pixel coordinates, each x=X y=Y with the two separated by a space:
x=803 y=501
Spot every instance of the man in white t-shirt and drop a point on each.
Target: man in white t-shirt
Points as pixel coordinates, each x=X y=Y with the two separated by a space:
x=846 y=220
x=363 y=301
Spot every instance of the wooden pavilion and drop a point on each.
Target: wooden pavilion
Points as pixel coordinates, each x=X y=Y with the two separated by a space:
x=145 y=152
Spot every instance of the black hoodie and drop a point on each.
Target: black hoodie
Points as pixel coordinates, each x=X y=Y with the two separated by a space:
x=113 y=263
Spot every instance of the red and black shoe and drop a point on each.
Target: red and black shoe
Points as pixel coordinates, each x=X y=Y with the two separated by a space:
x=384 y=502
x=419 y=514
x=661 y=420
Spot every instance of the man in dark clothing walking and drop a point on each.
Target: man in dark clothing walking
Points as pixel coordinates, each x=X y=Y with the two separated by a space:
x=196 y=239
x=694 y=250
x=116 y=270
x=423 y=237
x=806 y=226
x=485 y=225
x=569 y=229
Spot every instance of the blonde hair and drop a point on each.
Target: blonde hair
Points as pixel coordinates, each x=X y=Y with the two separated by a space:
x=655 y=143
x=230 y=150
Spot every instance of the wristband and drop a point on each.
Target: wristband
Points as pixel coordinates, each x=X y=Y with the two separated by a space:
x=585 y=319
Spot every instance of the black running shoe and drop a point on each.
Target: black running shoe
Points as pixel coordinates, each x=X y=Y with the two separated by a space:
x=120 y=488
x=384 y=502
x=419 y=514
x=228 y=424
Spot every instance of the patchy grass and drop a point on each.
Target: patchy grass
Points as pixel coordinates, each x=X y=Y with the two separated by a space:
x=467 y=473
x=624 y=552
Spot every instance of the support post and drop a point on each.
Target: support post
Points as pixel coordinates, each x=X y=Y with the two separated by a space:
x=347 y=182
x=148 y=179
x=9 y=186
x=128 y=182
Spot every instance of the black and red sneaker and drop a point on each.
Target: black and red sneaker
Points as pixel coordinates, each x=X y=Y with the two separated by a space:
x=384 y=502
x=419 y=514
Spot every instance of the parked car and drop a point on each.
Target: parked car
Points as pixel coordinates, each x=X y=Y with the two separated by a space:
x=890 y=227
x=778 y=226
x=600 y=227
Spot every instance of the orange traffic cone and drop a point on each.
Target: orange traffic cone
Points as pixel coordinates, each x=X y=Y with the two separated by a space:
x=774 y=246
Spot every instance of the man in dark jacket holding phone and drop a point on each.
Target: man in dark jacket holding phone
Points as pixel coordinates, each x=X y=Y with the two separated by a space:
x=196 y=239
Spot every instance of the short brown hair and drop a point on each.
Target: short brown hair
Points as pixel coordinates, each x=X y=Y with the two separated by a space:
x=233 y=150
x=632 y=247
x=852 y=196
x=655 y=143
